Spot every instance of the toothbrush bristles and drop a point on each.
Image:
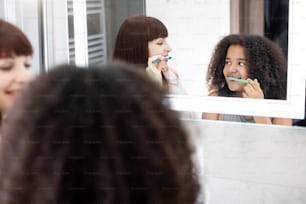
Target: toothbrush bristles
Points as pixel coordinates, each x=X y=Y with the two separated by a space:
x=232 y=78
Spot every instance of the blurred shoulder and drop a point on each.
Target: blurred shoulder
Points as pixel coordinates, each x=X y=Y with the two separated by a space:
x=213 y=93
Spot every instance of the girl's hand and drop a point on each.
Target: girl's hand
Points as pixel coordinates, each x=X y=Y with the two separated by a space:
x=252 y=90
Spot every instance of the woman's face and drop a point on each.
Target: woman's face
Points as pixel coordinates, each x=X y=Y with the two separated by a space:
x=159 y=46
x=236 y=66
x=15 y=73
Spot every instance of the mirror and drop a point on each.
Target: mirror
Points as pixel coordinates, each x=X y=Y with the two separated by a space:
x=195 y=26
x=193 y=35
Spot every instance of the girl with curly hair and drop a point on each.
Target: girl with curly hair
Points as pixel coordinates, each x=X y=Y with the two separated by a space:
x=98 y=135
x=247 y=66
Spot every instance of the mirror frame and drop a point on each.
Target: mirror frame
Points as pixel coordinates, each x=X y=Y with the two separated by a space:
x=293 y=107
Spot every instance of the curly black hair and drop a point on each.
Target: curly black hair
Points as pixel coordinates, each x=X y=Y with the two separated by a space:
x=266 y=62
x=98 y=135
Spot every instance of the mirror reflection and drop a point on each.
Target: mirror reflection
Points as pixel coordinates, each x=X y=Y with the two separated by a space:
x=61 y=35
x=266 y=18
x=195 y=34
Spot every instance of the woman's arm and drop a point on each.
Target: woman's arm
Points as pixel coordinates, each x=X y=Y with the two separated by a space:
x=210 y=116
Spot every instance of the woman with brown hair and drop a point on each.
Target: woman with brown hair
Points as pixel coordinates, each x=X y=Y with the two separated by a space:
x=15 y=64
x=142 y=40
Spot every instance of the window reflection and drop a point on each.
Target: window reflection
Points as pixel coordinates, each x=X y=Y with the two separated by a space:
x=276 y=22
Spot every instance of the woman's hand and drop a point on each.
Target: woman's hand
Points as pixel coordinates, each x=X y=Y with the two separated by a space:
x=252 y=90
x=154 y=69
x=157 y=63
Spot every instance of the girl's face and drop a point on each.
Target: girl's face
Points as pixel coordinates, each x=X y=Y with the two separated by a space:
x=235 y=66
x=15 y=73
x=158 y=46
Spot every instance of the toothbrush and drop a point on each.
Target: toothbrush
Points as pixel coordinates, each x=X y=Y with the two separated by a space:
x=244 y=81
x=158 y=60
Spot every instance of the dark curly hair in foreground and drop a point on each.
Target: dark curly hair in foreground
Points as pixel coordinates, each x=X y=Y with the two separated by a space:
x=266 y=63
x=97 y=135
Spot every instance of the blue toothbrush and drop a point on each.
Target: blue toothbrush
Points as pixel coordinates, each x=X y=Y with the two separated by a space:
x=158 y=60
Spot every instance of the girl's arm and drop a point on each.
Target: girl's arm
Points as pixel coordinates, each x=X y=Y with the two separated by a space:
x=253 y=90
x=276 y=121
x=211 y=116
x=282 y=121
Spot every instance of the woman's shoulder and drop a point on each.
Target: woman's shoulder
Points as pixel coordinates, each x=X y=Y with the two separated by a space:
x=174 y=71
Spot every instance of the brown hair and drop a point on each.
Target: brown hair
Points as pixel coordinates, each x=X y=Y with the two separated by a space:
x=13 y=41
x=98 y=135
x=133 y=36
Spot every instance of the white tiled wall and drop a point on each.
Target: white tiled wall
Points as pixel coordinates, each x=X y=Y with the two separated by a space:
x=249 y=163
x=195 y=27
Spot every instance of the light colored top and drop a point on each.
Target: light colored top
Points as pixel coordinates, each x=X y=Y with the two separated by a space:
x=174 y=84
x=236 y=118
x=170 y=74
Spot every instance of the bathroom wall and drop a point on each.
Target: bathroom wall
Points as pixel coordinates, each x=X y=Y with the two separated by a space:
x=249 y=163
